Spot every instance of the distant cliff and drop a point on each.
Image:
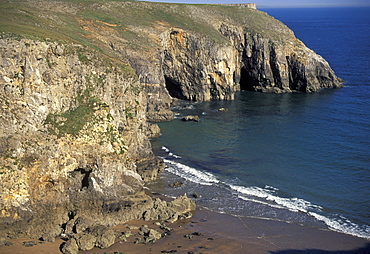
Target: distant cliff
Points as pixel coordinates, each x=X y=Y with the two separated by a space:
x=81 y=80
x=249 y=5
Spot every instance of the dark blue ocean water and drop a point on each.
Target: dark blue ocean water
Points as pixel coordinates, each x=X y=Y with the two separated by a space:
x=302 y=158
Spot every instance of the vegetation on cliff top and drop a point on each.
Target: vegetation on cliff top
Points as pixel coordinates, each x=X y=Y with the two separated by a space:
x=136 y=24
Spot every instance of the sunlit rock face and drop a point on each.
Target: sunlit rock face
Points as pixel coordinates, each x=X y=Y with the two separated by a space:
x=73 y=130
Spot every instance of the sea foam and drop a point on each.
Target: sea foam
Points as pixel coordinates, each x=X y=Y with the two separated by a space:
x=343 y=225
x=293 y=204
x=190 y=173
x=266 y=196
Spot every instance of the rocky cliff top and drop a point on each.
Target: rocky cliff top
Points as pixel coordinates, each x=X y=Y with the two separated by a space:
x=141 y=35
x=88 y=21
x=249 y=5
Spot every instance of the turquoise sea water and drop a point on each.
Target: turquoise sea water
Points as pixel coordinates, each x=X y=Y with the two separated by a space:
x=302 y=158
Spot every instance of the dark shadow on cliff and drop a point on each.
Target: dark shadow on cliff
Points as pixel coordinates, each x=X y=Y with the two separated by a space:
x=174 y=88
x=247 y=83
x=364 y=250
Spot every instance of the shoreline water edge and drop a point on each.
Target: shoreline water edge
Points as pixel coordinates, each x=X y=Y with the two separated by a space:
x=216 y=191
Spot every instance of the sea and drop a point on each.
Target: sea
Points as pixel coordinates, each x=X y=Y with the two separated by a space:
x=299 y=158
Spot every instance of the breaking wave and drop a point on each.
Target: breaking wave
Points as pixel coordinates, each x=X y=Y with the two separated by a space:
x=190 y=173
x=266 y=196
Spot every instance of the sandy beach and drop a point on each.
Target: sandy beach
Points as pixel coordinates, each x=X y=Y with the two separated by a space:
x=211 y=232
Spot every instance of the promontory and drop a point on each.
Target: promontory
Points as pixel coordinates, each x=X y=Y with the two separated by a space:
x=82 y=83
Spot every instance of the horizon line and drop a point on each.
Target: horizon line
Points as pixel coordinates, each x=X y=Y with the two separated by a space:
x=343 y=5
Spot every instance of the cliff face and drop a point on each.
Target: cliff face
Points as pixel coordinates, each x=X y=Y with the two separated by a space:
x=79 y=86
x=196 y=68
x=270 y=66
x=73 y=131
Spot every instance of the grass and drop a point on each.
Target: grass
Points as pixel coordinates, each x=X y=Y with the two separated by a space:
x=72 y=121
x=61 y=20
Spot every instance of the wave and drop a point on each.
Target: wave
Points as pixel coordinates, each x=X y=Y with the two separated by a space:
x=169 y=153
x=339 y=224
x=190 y=173
x=293 y=204
x=344 y=225
x=267 y=196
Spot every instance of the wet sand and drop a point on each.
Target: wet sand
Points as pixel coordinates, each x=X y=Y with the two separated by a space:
x=211 y=232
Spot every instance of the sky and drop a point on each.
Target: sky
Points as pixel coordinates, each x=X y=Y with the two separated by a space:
x=279 y=3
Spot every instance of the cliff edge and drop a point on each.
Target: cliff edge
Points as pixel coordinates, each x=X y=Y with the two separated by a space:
x=80 y=82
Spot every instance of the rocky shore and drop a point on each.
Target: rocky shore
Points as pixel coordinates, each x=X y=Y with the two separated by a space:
x=82 y=85
x=83 y=234
x=209 y=232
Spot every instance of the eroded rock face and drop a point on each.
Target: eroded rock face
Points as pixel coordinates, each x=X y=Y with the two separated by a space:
x=291 y=67
x=198 y=69
x=73 y=128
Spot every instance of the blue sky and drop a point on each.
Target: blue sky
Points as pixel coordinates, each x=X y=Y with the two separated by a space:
x=281 y=3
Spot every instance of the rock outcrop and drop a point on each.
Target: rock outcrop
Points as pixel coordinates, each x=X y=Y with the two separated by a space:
x=72 y=129
x=191 y=118
x=79 y=83
x=73 y=141
x=198 y=69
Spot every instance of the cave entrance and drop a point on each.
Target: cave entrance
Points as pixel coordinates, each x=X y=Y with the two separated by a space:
x=174 y=89
x=85 y=177
x=246 y=81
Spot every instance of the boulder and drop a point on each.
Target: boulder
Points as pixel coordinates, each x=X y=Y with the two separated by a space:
x=189 y=118
x=85 y=241
x=159 y=211
x=3 y=240
x=169 y=211
x=176 y=184
x=82 y=223
x=150 y=235
x=154 y=234
x=149 y=168
x=70 y=247
x=153 y=130
x=105 y=236
x=144 y=230
x=195 y=195
x=182 y=204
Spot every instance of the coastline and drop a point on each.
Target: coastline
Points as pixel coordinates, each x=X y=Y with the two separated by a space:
x=82 y=149
x=212 y=232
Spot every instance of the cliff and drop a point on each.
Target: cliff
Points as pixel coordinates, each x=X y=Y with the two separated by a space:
x=73 y=138
x=81 y=80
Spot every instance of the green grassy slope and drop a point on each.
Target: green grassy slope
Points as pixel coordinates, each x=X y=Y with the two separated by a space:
x=92 y=22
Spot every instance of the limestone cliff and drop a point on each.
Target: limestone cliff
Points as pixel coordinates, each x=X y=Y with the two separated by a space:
x=79 y=81
x=73 y=132
x=196 y=68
